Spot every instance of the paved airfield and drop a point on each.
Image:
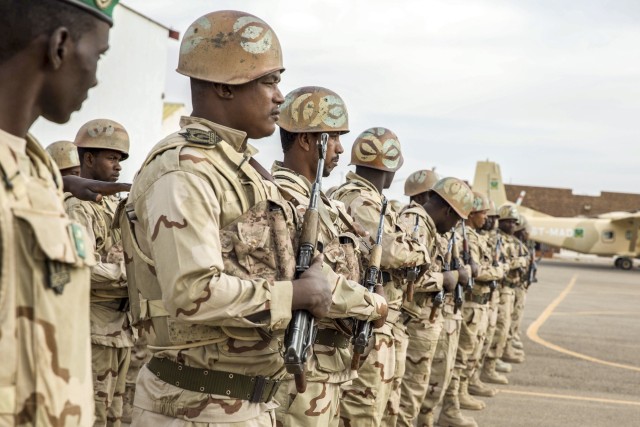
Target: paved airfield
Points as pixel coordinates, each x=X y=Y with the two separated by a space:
x=582 y=343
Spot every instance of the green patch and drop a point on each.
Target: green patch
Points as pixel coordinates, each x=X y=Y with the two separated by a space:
x=198 y=136
x=578 y=233
x=494 y=184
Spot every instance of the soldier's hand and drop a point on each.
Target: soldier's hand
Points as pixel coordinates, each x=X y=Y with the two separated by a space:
x=384 y=310
x=463 y=276
x=91 y=190
x=359 y=229
x=474 y=268
x=450 y=280
x=312 y=291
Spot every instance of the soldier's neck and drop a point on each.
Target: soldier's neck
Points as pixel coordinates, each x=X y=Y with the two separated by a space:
x=375 y=177
x=19 y=94
x=297 y=165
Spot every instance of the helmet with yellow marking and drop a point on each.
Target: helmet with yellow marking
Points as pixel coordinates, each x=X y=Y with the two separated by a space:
x=104 y=134
x=508 y=212
x=457 y=194
x=420 y=182
x=313 y=109
x=65 y=154
x=229 y=47
x=377 y=148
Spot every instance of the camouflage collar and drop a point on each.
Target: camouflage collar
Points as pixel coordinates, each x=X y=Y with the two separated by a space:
x=357 y=179
x=302 y=183
x=236 y=138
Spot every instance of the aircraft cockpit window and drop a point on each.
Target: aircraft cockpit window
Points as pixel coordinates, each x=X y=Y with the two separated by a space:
x=608 y=236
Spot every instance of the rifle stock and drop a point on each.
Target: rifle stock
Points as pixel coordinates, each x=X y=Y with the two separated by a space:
x=363 y=330
x=300 y=333
x=466 y=255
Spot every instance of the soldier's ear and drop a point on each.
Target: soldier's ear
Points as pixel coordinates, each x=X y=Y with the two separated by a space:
x=58 y=47
x=305 y=142
x=224 y=91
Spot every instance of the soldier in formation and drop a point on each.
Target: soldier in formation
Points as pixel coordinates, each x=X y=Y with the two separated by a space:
x=203 y=252
x=102 y=144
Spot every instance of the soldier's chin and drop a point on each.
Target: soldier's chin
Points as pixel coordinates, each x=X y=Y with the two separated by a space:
x=264 y=132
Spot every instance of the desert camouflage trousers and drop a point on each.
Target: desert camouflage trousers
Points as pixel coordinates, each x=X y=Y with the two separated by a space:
x=492 y=320
x=109 y=366
x=364 y=399
x=144 y=418
x=318 y=406
x=140 y=355
x=401 y=342
x=473 y=332
x=520 y=299
x=442 y=366
x=503 y=323
x=423 y=337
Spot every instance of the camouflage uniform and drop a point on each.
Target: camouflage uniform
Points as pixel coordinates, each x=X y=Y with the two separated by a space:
x=505 y=305
x=520 y=297
x=44 y=295
x=330 y=364
x=111 y=333
x=220 y=319
x=423 y=334
x=364 y=401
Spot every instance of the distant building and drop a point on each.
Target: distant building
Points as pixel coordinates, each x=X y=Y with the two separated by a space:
x=562 y=202
x=132 y=79
x=171 y=114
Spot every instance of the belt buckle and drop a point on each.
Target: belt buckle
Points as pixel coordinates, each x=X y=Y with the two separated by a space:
x=258 y=389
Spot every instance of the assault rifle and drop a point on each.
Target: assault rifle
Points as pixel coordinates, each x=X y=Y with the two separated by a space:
x=466 y=254
x=533 y=267
x=363 y=330
x=301 y=331
x=497 y=257
x=413 y=272
x=455 y=264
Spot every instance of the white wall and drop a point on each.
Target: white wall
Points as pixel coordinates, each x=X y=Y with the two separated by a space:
x=130 y=90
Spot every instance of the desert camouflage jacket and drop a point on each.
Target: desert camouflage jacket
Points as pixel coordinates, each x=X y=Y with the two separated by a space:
x=110 y=324
x=194 y=185
x=364 y=203
x=350 y=299
x=45 y=350
x=482 y=254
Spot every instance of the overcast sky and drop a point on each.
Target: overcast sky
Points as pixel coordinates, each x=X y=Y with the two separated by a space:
x=550 y=89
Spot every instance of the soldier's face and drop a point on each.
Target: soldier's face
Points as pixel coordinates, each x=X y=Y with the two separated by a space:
x=478 y=219
x=507 y=225
x=72 y=71
x=334 y=149
x=489 y=223
x=70 y=171
x=105 y=165
x=388 y=179
x=257 y=105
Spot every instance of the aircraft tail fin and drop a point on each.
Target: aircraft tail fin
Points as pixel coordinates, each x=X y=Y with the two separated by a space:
x=488 y=180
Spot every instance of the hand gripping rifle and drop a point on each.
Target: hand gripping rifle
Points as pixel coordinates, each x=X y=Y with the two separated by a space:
x=466 y=254
x=438 y=299
x=413 y=272
x=496 y=262
x=455 y=264
x=533 y=267
x=363 y=330
x=301 y=330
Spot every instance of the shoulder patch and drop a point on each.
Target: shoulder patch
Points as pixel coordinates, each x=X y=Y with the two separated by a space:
x=199 y=136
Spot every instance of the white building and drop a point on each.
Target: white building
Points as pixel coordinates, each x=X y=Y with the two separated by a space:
x=131 y=87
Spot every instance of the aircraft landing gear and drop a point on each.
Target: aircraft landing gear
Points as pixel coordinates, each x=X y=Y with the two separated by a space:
x=624 y=263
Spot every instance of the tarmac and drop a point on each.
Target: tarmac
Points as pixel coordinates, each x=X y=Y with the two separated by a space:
x=582 y=344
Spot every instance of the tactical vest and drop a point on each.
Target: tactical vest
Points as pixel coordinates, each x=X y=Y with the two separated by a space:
x=257 y=243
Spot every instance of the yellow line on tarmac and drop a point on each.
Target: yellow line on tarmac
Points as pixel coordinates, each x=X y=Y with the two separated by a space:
x=596 y=313
x=532 y=332
x=571 y=397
